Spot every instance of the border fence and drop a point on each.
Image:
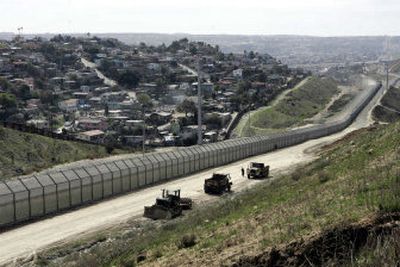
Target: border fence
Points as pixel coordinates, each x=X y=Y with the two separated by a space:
x=62 y=188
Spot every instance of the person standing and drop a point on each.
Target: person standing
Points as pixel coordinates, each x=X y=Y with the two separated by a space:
x=242 y=172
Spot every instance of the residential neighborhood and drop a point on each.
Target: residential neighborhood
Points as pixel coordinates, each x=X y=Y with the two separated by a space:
x=106 y=92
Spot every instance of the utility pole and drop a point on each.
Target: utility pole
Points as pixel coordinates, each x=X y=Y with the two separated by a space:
x=387 y=76
x=249 y=124
x=144 y=132
x=199 y=102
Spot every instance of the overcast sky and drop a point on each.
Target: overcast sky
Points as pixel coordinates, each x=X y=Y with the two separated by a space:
x=305 y=17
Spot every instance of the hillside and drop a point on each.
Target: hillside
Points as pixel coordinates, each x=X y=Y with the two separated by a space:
x=321 y=215
x=389 y=109
x=302 y=103
x=23 y=153
x=307 y=49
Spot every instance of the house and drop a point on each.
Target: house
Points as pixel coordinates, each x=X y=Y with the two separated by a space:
x=210 y=137
x=206 y=88
x=238 y=73
x=133 y=140
x=153 y=66
x=40 y=124
x=92 y=124
x=95 y=136
x=70 y=105
x=134 y=123
x=159 y=118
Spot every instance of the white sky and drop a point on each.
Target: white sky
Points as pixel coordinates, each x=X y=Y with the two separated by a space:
x=308 y=17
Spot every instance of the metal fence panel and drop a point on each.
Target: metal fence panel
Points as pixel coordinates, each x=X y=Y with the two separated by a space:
x=62 y=185
x=149 y=169
x=191 y=159
x=6 y=205
x=22 y=205
x=155 y=166
x=116 y=177
x=36 y=196
x=162 y=163
x=75 y=187
x=50 y=193
x=107 y=178
x=134 y=173
x=125 y=173
x=141 y=168
x=200 y=158
x=92 y=184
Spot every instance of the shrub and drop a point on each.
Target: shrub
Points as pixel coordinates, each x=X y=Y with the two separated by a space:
x=187 y=241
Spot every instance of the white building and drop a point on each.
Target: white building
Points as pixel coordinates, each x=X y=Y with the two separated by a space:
x=70 y=105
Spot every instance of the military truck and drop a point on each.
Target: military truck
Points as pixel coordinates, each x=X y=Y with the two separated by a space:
x=169 y=206
x=257 y=170
x=218 y=184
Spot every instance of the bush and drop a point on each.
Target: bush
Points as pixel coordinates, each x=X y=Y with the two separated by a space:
x=324 y=177
x=187 y=241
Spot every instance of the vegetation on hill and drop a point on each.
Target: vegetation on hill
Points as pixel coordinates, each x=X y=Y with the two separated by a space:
x=389 y=109
x=23 y=153
x=355 y=178
x=300 y=104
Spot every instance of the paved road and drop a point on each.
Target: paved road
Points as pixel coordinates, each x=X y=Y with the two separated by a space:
x=106 y=80
x=33 y=237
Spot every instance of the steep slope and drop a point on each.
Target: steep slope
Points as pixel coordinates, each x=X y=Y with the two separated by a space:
x=389 y=108
x=300 y=104
x=23 y=153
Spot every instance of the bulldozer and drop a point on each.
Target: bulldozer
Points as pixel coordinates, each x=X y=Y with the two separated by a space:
x=169 y=206
x=217 y=184
x=257 y=170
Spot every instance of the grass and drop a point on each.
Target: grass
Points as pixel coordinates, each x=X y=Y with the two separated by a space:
x=353 y=179
x=340 y=103
x=391 y=99
x=300 y=104
x=23 y=153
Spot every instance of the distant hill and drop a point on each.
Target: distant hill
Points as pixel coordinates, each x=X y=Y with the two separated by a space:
x=294 y=50
x=23 y=153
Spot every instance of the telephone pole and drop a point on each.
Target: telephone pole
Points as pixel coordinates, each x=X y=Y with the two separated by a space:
x=199 y=102
x=387 y=76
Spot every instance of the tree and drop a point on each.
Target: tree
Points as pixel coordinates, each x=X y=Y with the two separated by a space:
x=187 y=106
x=8 y=101
x=4 y=84
x=24 y=92
x=129 y=78
x=144 y=100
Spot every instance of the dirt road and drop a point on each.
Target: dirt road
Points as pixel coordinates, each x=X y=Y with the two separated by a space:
x=33 y=237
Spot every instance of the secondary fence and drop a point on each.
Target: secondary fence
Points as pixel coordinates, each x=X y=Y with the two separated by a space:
x=62 y=188
x=44 y=132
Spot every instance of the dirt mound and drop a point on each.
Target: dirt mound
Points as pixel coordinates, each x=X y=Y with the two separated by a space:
x=328 y=248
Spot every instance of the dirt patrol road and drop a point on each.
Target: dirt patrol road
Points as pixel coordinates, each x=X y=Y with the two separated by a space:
x=28 y=239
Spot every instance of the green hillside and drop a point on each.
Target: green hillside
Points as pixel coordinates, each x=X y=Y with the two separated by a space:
x=311 y=217
x=302 y=103
x=389 y=110
x=23 y=153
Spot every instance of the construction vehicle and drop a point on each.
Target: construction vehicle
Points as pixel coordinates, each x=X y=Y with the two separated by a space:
x=257 y=170
x=218 y=184
x=169 y=206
